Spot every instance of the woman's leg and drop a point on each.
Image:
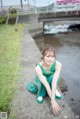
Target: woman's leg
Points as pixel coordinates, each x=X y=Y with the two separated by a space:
x=41 y=87
x=31 y=87
x=41 y=90
x=50 y=78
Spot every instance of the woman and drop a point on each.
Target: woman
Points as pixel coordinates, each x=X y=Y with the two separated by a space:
x=47 y=75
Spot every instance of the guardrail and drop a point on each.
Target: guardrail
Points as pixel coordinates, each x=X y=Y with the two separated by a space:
x=58 y=14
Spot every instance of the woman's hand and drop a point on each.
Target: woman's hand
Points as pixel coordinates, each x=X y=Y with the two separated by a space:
x=56 y=108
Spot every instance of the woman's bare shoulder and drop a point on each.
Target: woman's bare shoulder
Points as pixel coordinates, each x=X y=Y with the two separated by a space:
x=58 y=64
x=37 y=68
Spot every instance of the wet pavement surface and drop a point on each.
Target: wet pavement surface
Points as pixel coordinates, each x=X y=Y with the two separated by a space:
x=67 y=47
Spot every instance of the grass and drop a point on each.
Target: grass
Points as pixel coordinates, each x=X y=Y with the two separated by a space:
x=10 y=46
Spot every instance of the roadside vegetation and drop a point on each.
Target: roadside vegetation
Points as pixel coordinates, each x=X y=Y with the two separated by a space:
x=12 y=13
x=10 y=48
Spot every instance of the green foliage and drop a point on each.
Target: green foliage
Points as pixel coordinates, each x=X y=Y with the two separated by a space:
x=12 y=14
x=13 y=11
x=3 y=19
x=10 y=45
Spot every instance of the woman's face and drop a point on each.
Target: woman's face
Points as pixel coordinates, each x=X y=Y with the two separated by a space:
x=49 y=58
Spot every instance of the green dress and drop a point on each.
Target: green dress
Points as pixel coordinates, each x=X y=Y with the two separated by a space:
x=36 y=86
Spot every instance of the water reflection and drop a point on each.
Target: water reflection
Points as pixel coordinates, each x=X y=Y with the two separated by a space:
x=48 y=39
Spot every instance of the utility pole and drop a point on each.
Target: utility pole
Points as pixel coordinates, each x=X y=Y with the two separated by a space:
x=48 y=7
x=21 y=4
x=35 y=6
x=28 y=4
x=1 y=5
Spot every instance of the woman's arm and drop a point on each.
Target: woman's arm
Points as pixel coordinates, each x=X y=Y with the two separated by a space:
x=55 y=78
x=43 y=79
x=55 y=106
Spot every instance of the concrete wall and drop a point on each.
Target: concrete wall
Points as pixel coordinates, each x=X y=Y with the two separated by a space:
x=29 y=18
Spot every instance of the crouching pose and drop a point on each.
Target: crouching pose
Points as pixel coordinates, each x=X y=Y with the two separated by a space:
x=47 y=76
